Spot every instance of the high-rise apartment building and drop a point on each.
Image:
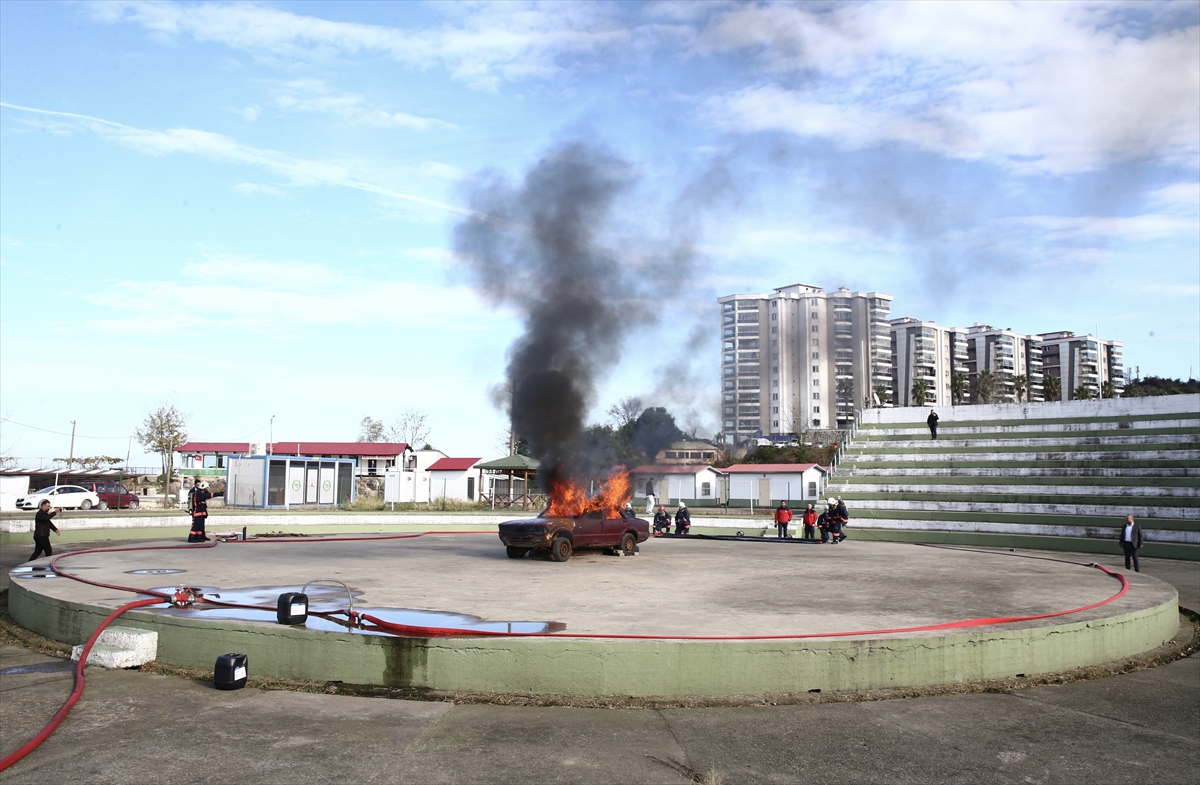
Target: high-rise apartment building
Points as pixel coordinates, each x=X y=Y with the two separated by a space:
x=1083 y=361
x=1014 y=360
x=928 y=352
x=799 y=358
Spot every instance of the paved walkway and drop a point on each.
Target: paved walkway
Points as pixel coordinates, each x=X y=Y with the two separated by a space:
x=132 y=727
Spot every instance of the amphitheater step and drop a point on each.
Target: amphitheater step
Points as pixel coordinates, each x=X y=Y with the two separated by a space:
x=1067 y=494
x=1066 y=444
x=1044 y=456
x=1102 y=475
x=975 y=505
x=1133 y=420
x=1026 y=527
x=921 y=462
x=1024 y=431
x=1097 y=522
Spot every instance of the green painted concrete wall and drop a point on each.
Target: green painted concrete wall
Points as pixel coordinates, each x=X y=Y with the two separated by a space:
x=615 y=667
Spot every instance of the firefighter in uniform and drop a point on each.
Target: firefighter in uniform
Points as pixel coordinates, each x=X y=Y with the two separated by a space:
x=199 y=505
x=662 y=521
x=683 y=519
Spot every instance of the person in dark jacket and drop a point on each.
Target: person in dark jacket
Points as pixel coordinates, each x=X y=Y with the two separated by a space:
x=200 y=497
x=842 y=516
x=662 y=521
x=783 y=517
x=42 y=526
x=683 y=519
x=932 y=420
x=1131 y=542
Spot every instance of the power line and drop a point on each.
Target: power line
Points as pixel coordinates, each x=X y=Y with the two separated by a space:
x=61 y=433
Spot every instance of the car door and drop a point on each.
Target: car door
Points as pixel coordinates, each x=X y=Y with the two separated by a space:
x=589 y=529
x=69 y=496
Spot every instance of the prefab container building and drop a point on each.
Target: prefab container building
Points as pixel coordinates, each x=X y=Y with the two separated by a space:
x=288 y=481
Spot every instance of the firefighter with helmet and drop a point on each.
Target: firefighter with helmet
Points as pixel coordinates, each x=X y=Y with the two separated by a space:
x=199 y=504
x=662 y=521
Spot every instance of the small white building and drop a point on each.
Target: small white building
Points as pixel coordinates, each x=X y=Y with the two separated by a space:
x=699 y=486
x=454 y=478
x=767 y=484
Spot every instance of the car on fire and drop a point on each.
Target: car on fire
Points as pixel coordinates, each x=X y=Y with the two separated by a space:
x=561 y=536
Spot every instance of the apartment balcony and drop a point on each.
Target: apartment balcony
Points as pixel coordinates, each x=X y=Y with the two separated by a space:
x=841 y=306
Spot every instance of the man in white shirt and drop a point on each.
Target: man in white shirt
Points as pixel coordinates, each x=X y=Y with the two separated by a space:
x=1131 y=541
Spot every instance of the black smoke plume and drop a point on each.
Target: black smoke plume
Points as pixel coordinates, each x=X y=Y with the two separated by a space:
x=552 y=247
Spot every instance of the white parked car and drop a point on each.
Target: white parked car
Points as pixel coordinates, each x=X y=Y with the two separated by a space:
x=65 y=496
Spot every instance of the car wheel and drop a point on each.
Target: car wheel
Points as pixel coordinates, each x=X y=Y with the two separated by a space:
x=628 y=544
x=516 y=553
x=102 y=506
x=86 y=504
x=133 y=504
x=560 y=549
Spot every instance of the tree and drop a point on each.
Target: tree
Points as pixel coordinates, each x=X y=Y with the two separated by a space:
x=652 y=431
x=1052 y=388
x=920 y=391
x=1020 y=386
x=845 y=390
x=162 y=432
x=1108 y=390
x=958 y=387
x=91 y=463
x=983 y=387
x=411 y=428
x=625 y=411
x=883 y=393
x=1159 y=385
x=370 y=430
x=1082 y=393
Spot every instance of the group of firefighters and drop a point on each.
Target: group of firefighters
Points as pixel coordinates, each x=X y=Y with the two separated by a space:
x=830 y=524
x=662 y=520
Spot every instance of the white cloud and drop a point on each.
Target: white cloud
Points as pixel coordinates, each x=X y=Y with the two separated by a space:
x=298 y=171
x=484 y=45
x=312 y=95
x=1053 y=88
x=1178 y=198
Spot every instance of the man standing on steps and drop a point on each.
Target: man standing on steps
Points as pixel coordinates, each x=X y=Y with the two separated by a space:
x=1131 y=541
x=932 y=420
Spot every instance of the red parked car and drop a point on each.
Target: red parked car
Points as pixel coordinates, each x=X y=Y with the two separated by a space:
x=111 y=495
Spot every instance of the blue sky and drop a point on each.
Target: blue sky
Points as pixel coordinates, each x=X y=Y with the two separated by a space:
x=247 y=210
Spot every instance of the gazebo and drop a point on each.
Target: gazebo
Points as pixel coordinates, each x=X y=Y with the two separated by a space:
x=508 y=482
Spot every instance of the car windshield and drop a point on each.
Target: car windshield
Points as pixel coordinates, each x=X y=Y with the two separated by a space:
x=71 y=489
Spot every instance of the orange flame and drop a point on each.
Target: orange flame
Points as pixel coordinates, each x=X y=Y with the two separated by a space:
x=569 y=499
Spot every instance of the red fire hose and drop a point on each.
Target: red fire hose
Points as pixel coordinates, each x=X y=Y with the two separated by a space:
x=403 y=630
x=76 y=693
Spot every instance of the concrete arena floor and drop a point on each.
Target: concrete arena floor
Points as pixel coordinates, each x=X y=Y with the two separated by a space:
x=673 y=587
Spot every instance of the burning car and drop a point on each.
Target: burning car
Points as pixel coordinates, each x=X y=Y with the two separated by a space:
x=575 y=521
x=562 y=536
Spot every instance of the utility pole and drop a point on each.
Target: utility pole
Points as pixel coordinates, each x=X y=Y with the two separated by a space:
x=271 y=438
x=71 y=459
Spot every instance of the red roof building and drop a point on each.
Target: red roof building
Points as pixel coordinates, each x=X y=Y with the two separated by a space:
x=371 y=457
x=454 y=464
